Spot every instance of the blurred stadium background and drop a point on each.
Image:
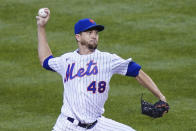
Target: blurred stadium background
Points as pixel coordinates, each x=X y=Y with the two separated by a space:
x=157 y=34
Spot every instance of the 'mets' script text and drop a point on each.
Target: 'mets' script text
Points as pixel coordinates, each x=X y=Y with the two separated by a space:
x=91 y=69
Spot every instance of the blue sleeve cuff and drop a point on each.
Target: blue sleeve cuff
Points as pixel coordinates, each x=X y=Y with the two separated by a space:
x=45 y=63
x=133 y=69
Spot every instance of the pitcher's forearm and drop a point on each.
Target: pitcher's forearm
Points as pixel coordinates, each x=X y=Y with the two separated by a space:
x=43 y=47
x=147 y=82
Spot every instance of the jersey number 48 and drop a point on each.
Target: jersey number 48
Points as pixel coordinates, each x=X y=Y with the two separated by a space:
x=93 y=87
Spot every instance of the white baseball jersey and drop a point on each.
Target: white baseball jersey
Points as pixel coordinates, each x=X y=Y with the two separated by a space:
x=86 y=82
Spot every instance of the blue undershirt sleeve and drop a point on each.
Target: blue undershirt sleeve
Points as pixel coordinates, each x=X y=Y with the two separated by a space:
x=133 y=69
x=45 y=63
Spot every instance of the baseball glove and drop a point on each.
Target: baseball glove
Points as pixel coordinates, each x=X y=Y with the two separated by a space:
x=154 y=110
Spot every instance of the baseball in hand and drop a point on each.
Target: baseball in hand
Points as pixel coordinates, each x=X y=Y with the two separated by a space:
x=42 y=13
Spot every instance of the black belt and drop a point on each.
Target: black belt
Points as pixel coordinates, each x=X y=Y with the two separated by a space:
x=87 y=126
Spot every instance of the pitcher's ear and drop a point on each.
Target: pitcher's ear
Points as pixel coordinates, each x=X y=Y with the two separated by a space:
x=77 y=36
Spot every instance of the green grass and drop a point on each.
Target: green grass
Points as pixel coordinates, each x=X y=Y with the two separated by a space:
x=157 y=34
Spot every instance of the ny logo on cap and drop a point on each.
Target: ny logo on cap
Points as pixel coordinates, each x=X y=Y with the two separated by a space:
x=92 y=21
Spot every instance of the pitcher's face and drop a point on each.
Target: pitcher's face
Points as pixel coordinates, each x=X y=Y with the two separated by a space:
x=89 y=39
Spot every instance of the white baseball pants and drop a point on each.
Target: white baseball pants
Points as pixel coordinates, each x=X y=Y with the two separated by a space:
x=103 y=124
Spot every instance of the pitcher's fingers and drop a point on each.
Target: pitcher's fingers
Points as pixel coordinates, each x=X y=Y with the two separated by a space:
x=165 y=112
x=38 y=17
x=47 y=11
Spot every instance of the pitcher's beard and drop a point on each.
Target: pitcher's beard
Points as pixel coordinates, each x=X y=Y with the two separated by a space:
x=89 y=46
x=92 y=47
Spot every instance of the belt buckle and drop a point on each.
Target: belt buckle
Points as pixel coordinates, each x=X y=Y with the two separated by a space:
x=78 y=123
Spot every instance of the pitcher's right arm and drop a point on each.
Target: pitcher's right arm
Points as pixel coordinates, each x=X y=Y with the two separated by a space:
x=43 y=47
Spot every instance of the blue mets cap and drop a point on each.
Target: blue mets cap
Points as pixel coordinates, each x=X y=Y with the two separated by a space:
x=86 y=24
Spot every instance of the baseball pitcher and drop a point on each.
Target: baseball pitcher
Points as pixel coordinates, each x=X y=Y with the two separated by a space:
x=86 y=73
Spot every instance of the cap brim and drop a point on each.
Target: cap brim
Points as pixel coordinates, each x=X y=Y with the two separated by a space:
x=96 y=27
